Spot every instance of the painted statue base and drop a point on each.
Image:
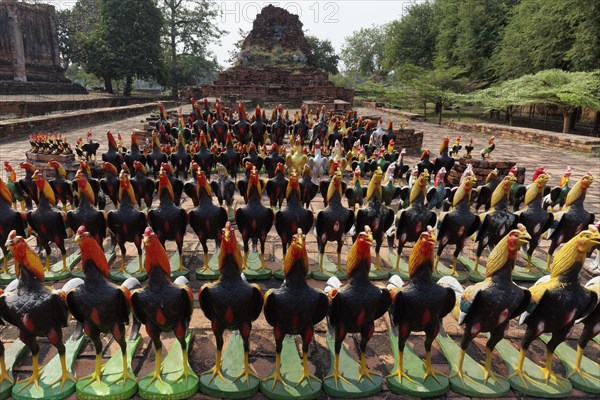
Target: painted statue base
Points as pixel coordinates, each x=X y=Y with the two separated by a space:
x=402 y=271
x=475 y=386
x=57 y=274
x=349 y=370
x=111 y=386
x=414 y=367
x=329 y=270
x=171 y=387
x=538 y=388
x=566 y=354
x=51 y=373
x=253 y=272
x=11 y=356
x=232 y=366
x=212 y=272
x=291 y=372
x=175 y=271
x=131 y=271
x=443 y=270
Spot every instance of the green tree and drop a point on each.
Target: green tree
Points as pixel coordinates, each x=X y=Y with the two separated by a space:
x=323 y=54
x=132 y=30
x=190 y=27
x=469 y=31
x=563 y=89
x=411 y=40
x=547 y=34
x=363 y=51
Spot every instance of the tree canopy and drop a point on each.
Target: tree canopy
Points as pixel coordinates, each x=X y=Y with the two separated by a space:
x=363 y=51
x=323 y=54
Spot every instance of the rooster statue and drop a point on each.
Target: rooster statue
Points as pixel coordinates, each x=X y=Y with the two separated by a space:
x=421 y=304
x=354 y=307
x=558 y=302
x=294 y=308
x=489 y=306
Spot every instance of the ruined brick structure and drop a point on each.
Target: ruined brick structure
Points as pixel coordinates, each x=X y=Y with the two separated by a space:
x=29 y=50
x=274 y=66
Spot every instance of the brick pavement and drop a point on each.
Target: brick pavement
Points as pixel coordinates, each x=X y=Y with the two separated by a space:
x=262 y=344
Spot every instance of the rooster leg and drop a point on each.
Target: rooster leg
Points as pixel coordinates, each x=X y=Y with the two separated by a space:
x=519 y=368
x=528 y=263
x=65 y=375
x=363 y=371
x=156 y=375
x=187 y=371
x=429 y=371
x=247 y=371
x=3 y=372
x=459 y=368
x=435 y=263
x=216 y=370
x=94 y=336
x=306 y=339
x=123 y=253
x=262 y=252
x=5 y=263
x=557 y=338
x=549 y=262
x=475 y=269
x=339 y=338
x=180 y=251
x=276 y=376
x=577 y=367
x=35 y=374
x=47 y=261
x=321 y=256
x=22 y=203
x=399 y=374
x=339 y=261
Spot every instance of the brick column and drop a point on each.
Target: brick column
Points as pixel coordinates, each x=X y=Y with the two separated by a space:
x=18 y=53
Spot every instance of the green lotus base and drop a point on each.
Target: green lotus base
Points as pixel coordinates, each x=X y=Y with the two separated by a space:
x=175 y=271
x=566 y=354
x=537 y=388
x=231 y=367
x=470 y=266
x=349 y=370
x=171 y=387
x=9 y=276
x=402 y=271
x=329 y=270
x=111 y=385
x=279 y=274
x=78 y=272
x=537 y=270
x=131 y=271
x=253 y=272
x=475 y=386
x=57 y=274
x=443 y=270
x=291 y=372
x=11 y=356
x=378 y=274
x=414 y=367
x=51 y=373
x=212 y=272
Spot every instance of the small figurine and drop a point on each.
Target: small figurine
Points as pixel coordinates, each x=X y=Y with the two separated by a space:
x=487 y=151
x=10 y=220
x=112 y=155
x=297 y=158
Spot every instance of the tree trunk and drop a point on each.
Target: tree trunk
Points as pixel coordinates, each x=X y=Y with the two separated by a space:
x=596 y=129
x=108 y=86
x=173 y=45
x=128 y=86
x=567 y=120
x=509 y=115
x=440 y=115
x=574 y=118
x=438 y=107
x=424 y=109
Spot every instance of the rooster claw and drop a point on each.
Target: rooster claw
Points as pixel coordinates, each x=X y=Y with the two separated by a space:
x=215 y=372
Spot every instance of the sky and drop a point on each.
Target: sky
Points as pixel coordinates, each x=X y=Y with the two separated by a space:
x=333 y=20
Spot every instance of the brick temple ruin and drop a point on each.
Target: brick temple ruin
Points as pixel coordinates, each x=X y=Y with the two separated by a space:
x=274 y=66
x=29 y=56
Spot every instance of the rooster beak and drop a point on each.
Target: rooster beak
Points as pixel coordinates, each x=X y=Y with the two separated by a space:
x=77 y=238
